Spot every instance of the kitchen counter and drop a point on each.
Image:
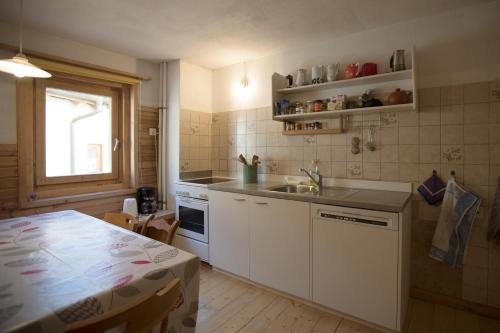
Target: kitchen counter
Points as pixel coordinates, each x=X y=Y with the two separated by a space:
x=389 y=201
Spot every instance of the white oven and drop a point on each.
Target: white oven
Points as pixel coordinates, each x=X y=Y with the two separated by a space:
x=193 y=216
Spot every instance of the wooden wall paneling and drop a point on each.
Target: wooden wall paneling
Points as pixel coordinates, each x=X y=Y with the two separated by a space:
x=148 y=152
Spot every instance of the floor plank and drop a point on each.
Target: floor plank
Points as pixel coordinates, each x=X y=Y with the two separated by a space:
x=443 y=320
x=264 y=319
x=326 y=324
x=467 y=322
x=230 y=305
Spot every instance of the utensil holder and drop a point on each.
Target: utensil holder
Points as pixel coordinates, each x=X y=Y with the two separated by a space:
x=249 y=174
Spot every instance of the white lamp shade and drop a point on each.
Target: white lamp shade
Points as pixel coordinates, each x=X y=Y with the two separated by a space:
x=21 y=67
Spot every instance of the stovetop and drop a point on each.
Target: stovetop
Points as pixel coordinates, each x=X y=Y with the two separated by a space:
x=206 y=181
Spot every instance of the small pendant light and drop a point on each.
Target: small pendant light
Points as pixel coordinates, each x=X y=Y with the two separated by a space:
x=19 y=64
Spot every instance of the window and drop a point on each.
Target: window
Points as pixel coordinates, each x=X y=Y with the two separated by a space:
x=77 y=131
x=75 y=139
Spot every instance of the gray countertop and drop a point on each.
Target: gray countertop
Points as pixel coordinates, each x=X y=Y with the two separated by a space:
x=389 y=201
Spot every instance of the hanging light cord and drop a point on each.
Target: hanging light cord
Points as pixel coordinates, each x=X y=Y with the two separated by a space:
x=21 y=23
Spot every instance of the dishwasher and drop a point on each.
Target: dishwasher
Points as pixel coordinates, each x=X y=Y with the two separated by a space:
x=355 y=262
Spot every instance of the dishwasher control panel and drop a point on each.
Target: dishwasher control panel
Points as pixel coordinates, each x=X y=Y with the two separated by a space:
x=364 y=217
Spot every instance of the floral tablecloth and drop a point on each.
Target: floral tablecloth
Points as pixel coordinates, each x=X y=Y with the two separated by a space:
x=62 y=267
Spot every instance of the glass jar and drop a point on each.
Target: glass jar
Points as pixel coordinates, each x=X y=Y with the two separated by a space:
x=309 y=107
x=318 y=105
x=299 y=108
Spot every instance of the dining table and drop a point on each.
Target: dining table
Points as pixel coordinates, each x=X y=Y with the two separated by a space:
x=63 y=267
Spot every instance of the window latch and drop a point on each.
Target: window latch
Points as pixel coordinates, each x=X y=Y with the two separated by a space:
x=116 y=144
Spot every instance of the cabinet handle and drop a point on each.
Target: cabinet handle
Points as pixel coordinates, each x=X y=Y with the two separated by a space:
x=239 y=199
x=261 y=203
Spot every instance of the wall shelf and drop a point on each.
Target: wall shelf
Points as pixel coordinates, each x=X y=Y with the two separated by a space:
x=364 y=80
x=382 y=84
x=314 y=132
x=337 y=113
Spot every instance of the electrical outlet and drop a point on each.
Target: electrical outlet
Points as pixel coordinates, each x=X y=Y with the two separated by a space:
x=152 y=131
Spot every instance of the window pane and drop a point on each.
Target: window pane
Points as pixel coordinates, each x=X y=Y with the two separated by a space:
x=78 y=133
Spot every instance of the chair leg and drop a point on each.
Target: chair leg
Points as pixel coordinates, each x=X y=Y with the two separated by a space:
x=164 y=325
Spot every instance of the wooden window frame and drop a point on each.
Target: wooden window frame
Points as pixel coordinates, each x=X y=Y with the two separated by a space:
x=74 y=85
x=37 y=190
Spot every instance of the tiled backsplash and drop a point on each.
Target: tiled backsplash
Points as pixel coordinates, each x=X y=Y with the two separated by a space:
x=457 y=128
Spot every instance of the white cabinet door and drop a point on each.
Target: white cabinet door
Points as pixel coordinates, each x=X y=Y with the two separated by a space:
x=279 y=244
x=355 y=267
x=228 y=223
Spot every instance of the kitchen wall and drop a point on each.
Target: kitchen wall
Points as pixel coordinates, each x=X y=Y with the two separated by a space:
x=456 y=128
x=455 y=47
x=195 y=116
x=63 y=47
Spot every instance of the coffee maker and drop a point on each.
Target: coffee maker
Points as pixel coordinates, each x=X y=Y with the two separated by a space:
x=146 y=200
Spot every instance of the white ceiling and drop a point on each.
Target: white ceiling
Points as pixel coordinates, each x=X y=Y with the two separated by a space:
x=214 y=33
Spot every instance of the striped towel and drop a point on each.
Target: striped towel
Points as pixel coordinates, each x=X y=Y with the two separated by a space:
x=494 y=226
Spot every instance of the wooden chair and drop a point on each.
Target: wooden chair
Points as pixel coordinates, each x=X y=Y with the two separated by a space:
x=164 y=232
x=123 y=220
x=142 y=316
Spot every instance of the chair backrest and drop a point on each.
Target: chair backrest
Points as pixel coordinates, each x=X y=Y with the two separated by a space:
x=167 y=230
x=142 y=316
x=123 y=220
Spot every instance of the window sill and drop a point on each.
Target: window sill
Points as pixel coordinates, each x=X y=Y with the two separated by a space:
x=77 y=198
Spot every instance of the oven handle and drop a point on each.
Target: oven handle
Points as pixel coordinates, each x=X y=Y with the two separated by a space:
x=191 y=200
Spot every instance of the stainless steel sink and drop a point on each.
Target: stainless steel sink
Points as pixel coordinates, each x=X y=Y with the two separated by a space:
x=292 y=189
x=331 y=192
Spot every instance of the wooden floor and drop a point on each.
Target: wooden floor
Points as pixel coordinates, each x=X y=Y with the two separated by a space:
x=230 y=305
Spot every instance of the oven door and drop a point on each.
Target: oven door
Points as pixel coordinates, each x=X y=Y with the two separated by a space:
x=193 y=217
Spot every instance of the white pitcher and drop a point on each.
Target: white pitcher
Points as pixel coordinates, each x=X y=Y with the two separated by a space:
x=301 y=77
x=332 y=71
x=317 y=74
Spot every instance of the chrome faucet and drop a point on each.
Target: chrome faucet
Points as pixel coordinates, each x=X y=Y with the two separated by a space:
x=318 y=183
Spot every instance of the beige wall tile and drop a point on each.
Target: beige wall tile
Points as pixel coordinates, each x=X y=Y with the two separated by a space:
x=389 y=153
x=476 y=134
x=408 y=135
x=430 y=135
x=475 y=276
x=408 y=154
x=477 y=113
x=354 y=170
x=388 y=135
x=407 y=118
x=205 y=118
x=389 y=171
x=429 y=116
x=494 y=280
x=371 y=156
x=474 y=294
x=339 y=140
x=477 y=154
x=194 y=117
x=430 y=153
x=452 y=95
x=339 y=153
x=453 y=154
x=452 y=115
x=430 y=96
x=494 y=91
x=452 y=134
x=476 y=174
x=476 y=92
x=495 y=154
x=494 y=133
x=408 y=172
x=494 y=115
x=324 y=140
x=494 y=259
x=477 y=256
x=371 y=171
x=324 y=153
x=339 y=169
